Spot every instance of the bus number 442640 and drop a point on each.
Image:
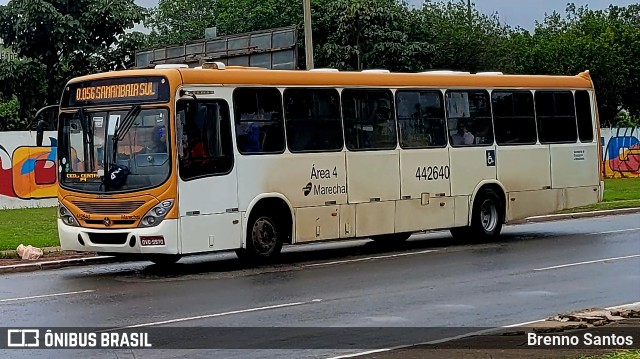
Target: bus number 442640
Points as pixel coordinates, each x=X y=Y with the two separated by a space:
x=432 y=173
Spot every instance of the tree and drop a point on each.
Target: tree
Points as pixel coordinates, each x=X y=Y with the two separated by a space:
x=22 y=91
x=465 y=40
x=239 y=16
x=67 y=38
x=605 y=42
x=359 y=34
x=9 y=115
x=179 y=21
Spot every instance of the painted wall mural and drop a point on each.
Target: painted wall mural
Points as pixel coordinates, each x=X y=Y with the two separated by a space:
x=621 y=150
x=28 y=174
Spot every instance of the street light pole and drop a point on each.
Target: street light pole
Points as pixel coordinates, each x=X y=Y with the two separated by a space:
x=308 y=42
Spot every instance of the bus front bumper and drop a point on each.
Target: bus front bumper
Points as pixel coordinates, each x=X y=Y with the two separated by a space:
x=125 y=241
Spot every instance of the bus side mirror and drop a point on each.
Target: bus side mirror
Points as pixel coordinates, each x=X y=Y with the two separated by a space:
x=40 y=127
x=44 y=125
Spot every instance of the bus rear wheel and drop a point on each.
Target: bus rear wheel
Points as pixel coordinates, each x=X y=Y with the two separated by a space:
x=265 y=235
x=486 y=219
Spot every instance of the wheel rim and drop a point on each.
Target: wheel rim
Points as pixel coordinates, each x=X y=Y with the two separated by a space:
x=488 y=215
x=264 y=235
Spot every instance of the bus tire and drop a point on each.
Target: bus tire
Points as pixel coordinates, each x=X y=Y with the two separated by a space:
x=265 y=235
x=392 y=238
x=486 y=219
x=164 y=259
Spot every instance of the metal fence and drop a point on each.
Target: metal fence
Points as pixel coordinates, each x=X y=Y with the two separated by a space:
x=273 y=49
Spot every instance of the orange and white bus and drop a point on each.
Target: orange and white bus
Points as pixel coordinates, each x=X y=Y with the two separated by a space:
x=174 y=161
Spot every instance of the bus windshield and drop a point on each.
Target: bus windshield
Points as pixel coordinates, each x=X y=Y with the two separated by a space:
x=86 y=145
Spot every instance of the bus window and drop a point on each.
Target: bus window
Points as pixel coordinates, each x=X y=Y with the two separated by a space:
x=313 y=120
x=514 y=117
x=421 y=119
x=368 y=119
x=258 y=118
x=583 y=113
x=469 y=118
x=556 y=117
x=204 y=136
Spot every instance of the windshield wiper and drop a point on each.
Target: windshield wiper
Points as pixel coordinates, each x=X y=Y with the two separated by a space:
x=123 y=129
x=118 y=135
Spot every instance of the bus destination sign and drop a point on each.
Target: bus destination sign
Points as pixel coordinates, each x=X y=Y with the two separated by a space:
x=117 y=91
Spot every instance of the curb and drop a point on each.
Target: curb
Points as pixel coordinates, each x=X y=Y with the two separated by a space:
x=575 y=215
x=45 y=250
x=30 y=267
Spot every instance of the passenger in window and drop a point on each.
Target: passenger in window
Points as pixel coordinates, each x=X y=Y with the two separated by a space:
x=197 y=149
x=463 y=137
x=159 y=140
x=483 y=135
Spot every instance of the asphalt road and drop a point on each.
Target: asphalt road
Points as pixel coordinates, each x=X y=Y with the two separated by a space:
x=535 y=271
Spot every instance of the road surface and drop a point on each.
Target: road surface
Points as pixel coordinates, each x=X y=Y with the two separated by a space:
x=536 y=270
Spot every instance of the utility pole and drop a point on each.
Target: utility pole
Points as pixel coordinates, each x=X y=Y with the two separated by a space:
x=308 y=41
x=469 y=11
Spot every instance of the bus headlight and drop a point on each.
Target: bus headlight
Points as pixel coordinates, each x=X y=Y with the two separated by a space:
x=156 y=214
x=66 y=216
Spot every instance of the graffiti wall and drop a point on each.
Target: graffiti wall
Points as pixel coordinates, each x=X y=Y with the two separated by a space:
x=621 y=150
x=28 y=174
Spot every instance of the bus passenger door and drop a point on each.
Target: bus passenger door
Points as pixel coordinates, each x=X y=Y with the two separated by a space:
x=425 y=171
x=472 y=153
x=207 y=191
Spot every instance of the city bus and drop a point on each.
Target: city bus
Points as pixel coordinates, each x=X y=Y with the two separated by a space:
x=172 y=161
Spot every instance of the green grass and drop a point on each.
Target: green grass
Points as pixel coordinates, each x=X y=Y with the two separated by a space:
x=626 y=354
x=621 y=189
x=618 y=193
x=33 y=226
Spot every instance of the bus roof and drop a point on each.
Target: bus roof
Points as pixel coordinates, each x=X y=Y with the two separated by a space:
x=240 y=76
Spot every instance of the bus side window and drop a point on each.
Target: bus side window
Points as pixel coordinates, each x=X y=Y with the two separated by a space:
x=421 y=119
x=206 y=147
x=369 y=122
x=469 y=118
x=514 y=117
x=583 y=114
x=259 y=120
x=313 y=120
x=556 y=115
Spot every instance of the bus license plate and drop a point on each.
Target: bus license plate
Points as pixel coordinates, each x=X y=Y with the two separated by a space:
x=152 y=241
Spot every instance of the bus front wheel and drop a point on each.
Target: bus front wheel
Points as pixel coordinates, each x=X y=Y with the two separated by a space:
x=486 y=219
x=264 y=239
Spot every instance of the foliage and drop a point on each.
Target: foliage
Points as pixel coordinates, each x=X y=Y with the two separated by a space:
x=63 y=39
x=9 y=115
x=238 y=16
x=180 y=21
x=465 y=40
x=22 y=80
x=625 y=120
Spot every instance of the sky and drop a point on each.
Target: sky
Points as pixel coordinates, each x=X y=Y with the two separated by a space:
x=521 y=13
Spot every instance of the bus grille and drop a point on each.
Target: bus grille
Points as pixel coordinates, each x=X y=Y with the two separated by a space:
x=108 y=238
x=108 y=207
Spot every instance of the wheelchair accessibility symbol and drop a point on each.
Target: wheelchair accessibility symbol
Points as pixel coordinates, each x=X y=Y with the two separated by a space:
x=491 y=158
